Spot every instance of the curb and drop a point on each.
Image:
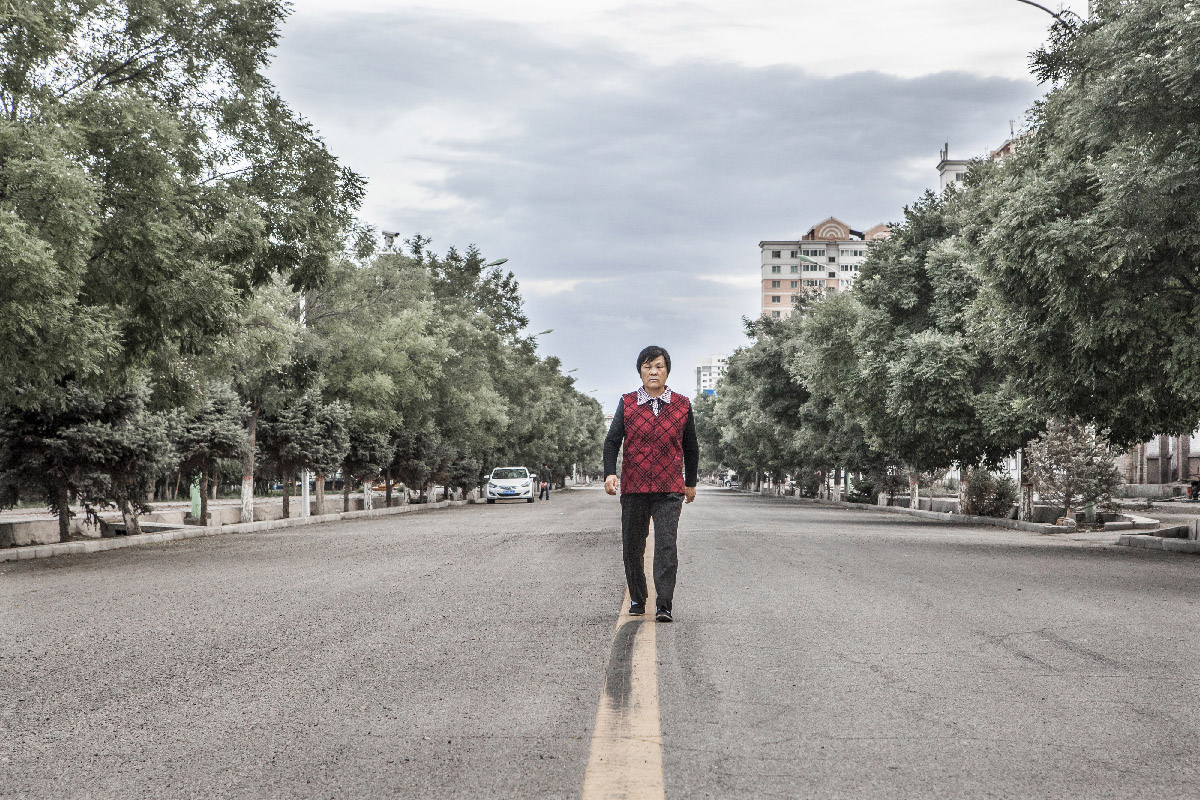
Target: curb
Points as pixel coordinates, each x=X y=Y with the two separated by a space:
x=1151 y=542
x=1136 y=522
x=30 y=552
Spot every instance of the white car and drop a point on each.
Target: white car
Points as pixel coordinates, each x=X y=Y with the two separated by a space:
x=510 y=483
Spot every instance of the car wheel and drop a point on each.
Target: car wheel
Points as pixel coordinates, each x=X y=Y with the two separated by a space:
x=490 y=501
x=530 y=500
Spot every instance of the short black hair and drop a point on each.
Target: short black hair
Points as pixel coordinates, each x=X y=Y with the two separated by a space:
x=652 y=352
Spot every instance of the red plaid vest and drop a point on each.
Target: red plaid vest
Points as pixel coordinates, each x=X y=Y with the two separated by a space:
x=653 y=460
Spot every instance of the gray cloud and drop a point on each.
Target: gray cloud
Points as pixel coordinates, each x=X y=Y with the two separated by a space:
x=594 y=163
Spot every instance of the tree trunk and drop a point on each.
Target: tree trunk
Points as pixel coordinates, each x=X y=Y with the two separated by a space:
x=203 y=497
x=63 y=501
x=320 y=482
x=368 y=498
x=387 y=488
x=287 y=496
x=1184 y=448
x=1025 y=506
x=914 y=490
x=1164 y=459
x=247 y=514
x=345 y=494
x=130 y=517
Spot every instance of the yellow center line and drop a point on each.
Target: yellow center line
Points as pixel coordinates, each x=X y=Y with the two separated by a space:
x=626 y=755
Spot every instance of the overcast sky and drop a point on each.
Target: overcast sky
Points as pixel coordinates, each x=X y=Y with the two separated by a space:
x=627 y=158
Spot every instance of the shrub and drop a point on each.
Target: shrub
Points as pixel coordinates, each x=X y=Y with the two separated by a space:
x=988 y=495
x=862 y=491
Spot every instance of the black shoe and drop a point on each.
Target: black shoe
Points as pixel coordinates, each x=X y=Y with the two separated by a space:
x=662 y=615
x=637 y=609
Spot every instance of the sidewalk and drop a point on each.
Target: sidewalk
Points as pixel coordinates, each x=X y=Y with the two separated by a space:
x=1164 y=537
x=28 y=552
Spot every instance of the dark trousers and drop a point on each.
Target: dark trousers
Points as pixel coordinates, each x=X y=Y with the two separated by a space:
x=637 y=509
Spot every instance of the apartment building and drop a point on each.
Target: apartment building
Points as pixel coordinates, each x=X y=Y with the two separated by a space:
x=951 y=171
x=827 y=258
x=708 y=372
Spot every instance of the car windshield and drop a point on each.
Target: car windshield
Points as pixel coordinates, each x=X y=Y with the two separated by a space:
x=509 y=473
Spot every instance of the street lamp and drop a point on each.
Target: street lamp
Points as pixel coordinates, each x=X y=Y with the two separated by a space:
x=1059 y=15
x=496 y=263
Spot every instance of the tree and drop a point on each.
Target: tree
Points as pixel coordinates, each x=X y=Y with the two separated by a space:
x=304 y=432
x=120 y=453
x=150 y=176
x=104 y=449
x=36 y=457
x=257 y=356
x=368 y=452
x=215 y=430
x=931 y=394
x=1072 y=464
x=827 y=364
x=1087 y=235
x=987 y=494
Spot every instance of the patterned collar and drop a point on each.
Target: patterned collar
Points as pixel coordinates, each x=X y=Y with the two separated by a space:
x=643 y=398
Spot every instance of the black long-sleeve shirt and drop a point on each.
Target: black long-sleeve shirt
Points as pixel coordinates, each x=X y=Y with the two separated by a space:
x=616 y=435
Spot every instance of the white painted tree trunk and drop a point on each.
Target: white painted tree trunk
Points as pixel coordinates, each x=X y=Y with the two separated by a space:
x=247 y=514
x=367 y=496
x=914 y=490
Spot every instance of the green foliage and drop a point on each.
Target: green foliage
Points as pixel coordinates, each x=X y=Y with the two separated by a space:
x=1072 y=464
x=931 y=394
x=103 y=449
x=215 y=430
x=988 y=494
x=862 y=491
x=303 y=433
x=1088 y=235
x=150 y=177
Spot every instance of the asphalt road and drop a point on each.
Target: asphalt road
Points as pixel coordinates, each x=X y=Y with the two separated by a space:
x=817 y=653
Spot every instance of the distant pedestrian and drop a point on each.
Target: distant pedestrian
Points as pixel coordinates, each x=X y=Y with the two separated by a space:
x=544 y=478
x=658 y=475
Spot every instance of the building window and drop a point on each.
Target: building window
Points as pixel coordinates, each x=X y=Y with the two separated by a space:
x=833 y=274
x=811 y=282
x=775 y=314
x=775 y=269
x=774 y=284
x=795 y=268
x=794 y=253
x=794 y=284
x=776 y=253
x=812 y=252
x=832 y=259
x=774 y=298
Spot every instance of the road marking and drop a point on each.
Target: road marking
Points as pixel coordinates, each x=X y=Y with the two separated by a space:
x=626 y=757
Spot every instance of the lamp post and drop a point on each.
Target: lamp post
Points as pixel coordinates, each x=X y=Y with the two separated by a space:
x=1059 y=15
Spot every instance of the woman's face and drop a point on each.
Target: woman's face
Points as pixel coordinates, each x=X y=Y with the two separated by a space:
x=654 y=374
